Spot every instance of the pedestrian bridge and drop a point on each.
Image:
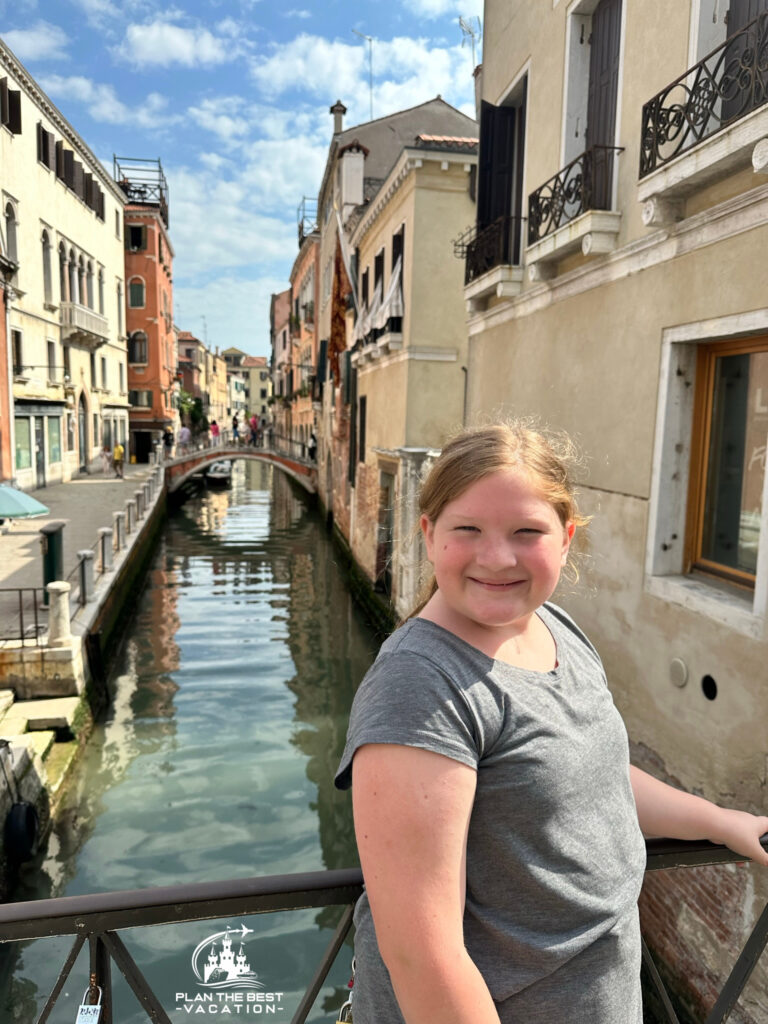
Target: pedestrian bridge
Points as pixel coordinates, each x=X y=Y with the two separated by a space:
x=186 y=464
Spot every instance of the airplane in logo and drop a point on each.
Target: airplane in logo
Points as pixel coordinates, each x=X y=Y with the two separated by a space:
x=245 y=931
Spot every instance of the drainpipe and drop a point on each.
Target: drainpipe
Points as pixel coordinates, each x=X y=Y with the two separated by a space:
x=10 y=295
x=465 y=371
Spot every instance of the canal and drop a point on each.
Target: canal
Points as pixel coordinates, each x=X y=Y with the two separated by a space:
x=231 y=690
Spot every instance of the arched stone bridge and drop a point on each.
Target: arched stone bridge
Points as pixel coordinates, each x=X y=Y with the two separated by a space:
x=184 y=466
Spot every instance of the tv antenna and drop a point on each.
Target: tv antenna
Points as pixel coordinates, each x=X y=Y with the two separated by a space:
x=470 y=29
x=369 y=39
x=205 y=330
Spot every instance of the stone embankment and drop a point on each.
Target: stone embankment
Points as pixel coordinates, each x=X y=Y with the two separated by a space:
x=52 y=682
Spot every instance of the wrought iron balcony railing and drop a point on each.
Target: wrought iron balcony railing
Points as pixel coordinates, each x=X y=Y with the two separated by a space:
x=98 y=918
x=496 y=245
x=583 y=184
x=724 y=86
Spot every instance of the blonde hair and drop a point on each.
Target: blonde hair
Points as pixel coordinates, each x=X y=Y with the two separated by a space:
x=476 y=452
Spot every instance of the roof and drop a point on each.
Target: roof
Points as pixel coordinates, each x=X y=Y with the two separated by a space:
x=260 y=361
x=188 y=336
x=454 y=142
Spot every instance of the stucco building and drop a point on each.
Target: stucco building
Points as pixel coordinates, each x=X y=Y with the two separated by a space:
x=152 y=371
x=614 y=287
x=62 y=261
x=282 y=369
x=259 y=387
x=304 y=332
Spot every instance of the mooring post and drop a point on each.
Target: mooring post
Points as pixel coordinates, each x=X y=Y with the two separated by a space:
x=118 y=520
x=87 y=585
x=107 y=541
x=130 y=515
x=59 y=632
x=139 y=496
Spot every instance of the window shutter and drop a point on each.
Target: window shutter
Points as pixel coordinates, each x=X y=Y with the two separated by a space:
x=69 y=168
x=495 y=175
x=14 y=111
x=100 y=205
x=60 y=160
x=78 y=180
x=3 y=101
x=40 y=142
x=50 y=151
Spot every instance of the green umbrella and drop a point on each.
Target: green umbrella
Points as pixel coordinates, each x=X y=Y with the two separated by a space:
x=15 y=504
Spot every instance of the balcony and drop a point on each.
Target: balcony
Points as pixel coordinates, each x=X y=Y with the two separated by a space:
x=572 y=210
x=711 y=121
x=82 y=326
x=492 y=260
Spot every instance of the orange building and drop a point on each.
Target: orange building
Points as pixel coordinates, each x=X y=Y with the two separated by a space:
x=303 y=330
x=152 y=356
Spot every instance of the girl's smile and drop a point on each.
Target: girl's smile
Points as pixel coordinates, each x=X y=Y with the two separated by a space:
x=497 y=552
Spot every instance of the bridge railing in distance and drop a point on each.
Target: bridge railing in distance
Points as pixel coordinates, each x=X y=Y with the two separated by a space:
x=98 y=918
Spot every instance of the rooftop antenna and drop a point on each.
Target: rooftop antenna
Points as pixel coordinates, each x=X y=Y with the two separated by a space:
x=205 y=330
x=470 y=29
x=370 y=64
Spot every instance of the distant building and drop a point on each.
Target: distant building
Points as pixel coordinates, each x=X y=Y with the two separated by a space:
x=282 y=363
x=238 y=392
x=304 y=347
x=152 y=375
x=61 y=262
x=259 y=386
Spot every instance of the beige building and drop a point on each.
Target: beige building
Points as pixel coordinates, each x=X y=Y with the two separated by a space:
x=409 y=351
x=259 y=387
x=616 y=288
x=62 y=223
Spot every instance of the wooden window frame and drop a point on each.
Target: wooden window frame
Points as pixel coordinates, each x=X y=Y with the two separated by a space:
x=701 y=432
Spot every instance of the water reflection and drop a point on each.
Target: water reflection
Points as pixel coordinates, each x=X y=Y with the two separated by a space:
x=231 y=696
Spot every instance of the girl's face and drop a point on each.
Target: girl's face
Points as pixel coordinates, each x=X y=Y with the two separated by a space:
x=497 y=551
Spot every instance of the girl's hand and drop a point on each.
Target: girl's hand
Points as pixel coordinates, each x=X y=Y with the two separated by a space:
x=741 y=832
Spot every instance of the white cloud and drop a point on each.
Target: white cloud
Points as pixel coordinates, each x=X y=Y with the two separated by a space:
x=43 y=41
x=297 y=14
x=441 y=8
x=103 y=104
x=223 y=116
x=159 y=42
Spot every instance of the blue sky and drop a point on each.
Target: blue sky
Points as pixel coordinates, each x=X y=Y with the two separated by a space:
x=233 y=96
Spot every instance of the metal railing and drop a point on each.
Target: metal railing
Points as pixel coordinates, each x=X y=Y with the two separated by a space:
x=724 y=86
x=20 y=618
x=98 y=918
x=583 y=184
x=496 y=245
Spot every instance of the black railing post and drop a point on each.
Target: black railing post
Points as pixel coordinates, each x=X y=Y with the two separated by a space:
x=101 y=976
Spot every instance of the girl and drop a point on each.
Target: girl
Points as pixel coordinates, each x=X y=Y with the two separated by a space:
x=499 y=824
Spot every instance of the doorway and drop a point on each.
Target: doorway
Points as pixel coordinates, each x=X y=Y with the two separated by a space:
x=82 y=434
x=40 y=451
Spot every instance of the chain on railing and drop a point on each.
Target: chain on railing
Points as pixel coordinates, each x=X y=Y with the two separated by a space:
x=583 y=184
x=20 y=618
x=724 y=86
x=98 y=918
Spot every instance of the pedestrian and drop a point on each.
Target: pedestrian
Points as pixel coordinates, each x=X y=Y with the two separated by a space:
x=168 y=442
x=185 y=436
x=106 y=459
x=312 y=446
x=499 y=823
x=235 y=430
x=118 y=460
x=215 y=432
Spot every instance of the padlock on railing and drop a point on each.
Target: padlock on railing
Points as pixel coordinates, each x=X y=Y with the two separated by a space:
x=345 y=1013
x=89 y=1013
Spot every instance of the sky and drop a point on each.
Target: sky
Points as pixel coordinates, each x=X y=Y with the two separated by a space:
x=233 y=97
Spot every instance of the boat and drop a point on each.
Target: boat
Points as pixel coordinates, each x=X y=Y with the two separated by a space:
x=219 y=472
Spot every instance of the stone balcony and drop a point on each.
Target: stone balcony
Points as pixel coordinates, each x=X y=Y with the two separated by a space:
x=83 y=326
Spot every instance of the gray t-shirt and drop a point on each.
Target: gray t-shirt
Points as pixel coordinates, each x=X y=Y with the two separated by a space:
x=555 y=856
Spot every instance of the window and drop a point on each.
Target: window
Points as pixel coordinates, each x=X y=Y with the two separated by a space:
x=119 y=309
x=117 y=223
x=46 y=148
x=364 y=289
x=136 y=293
x=70 y=431
x=51 y=360
x=10 y=107
x=81 y=288
x=137 y=347
x=47 y=271
x=378 y=271
x=18 y=357
x=104 y=372
x=361 y=431
x=101 y=290
x=10 y=233
x=142 y=399
x=89 y=285
x=67 y=364
x=707 y=532
x=63 y=290
x=54 y=439
x=728 y=459
x=121 y=370
x=93 y=371
x=23 y=443
x=95 y=427
x=136 y=237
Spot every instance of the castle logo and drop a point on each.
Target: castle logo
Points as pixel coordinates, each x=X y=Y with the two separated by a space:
x=224 y=968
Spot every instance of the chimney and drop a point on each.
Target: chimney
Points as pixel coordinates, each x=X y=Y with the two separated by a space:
x=338 y=110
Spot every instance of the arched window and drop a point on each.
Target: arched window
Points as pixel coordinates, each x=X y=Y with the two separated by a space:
x=74 y=294
x=137 y=347
x=89 y=285
x=81 y=281
x=119 y=308
x=47 y=271
x=10 y=232
x=101 y=291
x=136 y=293
x=63 y=280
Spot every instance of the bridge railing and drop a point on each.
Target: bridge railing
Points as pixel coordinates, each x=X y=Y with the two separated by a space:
x=98 y=918
x=268 y=440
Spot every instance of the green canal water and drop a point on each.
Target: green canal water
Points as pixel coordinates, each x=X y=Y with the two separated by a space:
x=231 y=695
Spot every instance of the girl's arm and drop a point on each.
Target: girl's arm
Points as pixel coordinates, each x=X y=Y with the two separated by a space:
x=412 y=810
x=665 y=811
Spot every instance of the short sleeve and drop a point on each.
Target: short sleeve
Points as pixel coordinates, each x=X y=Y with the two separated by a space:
x=407 y=699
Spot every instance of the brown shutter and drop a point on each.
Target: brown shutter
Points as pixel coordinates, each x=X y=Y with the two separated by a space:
x=88 y=189
x=40 y=143
x=14 y=111
x=69 y=168
x=59 y=158
x=100 y=205
x=3 y=101
x=78 y=183
x=51 y=151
